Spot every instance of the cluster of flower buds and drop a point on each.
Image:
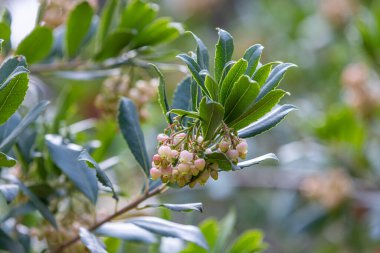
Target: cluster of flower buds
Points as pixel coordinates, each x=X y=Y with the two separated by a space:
x=182 y=157
x=116 y=86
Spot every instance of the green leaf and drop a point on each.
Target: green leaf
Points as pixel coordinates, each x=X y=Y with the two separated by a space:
x=100 y=174
x=7 y=243
x=114 y=44
x=211 y=114
x=237 y=70
x=262 y=73
x=251 y=241
x=108 y=15
x=267 y=122
x=258 y=110
x=189 y=207
x=5 y=35
x=9 y=191
x=182 y=95
x=6 y=161
x=126 y=231
x=256 y=160
x=65 y=156
x=223 y=53
x=212 y=87
x=185 y=113
x=29 y=118
x=37 y=45
x=210 y=230
x=77 y=27
x=242 y=95
x=9 y=66
x=162 y=99
x=171 y=229
x=223 y=161
x=202 y=52
x=274 y=79
x=12 y=93
x=252 y=56
x=226 y=69
x=226 y=227
x=138 y=14
x=132 y=133
x=93 y=244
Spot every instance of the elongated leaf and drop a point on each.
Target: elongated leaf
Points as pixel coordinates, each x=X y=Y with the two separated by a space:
x=5 y=35
x=65 y=156
x=6 y=161
x=138 y=14
x=262 y=73
x=189 y=114
x=126 y=231
x=258 y=110
x=32 y=115
x=132 y=133
x=9 y=191
x=252 y=56
x=222 y=160
x=37 y=203
x=237 y=70
x=182 y=95
x=9 y=66
x=256 y=160
x=267 y=122
x=202 y=52
x=274 y=79
x=12 y=93
x=210 y=229
x=105 y=23
x=211 y=114
x=171 y=229
x=212 y=87
x=227 y=225
x=91 y=242
x=242 y=95
x=100 y=174
x=8 y=244
x=77 y=27
x=37 y=45
x=162 y=99
x=251 y=241
x=194 y=89
x=114 y=44
x=223 y=53
x=226 y=69
x=189 y=207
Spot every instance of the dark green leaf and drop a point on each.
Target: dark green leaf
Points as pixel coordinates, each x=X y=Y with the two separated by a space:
x=132 y=133
x=77 y=27
x=226 y=69
x=32 y=115
x=250 y=241
x=37 y=45
x=114 y=44
x=222 y=160
x=256 y=160
x=252 y=56
x=9 y=191
x=182 y=95
x=108 y=15
x=267 y=122
x=223 y=53
x=12 y=93
x=237 y=70
x=185 y=113
x=241 y=96
x=100 y=174
x=6 y=161
x=258 y=110
x=138 y=14
x=274 y=79
x=65 y=156
x=202 y=53
x=162 y=99
x=212 y=87
x=211 y=114
x=93 y=244
x=262 y=73
x=189 y=207
x=171 y=229
x=8 y=244
x=9 y=66
x=126 y=231
x=5 y=35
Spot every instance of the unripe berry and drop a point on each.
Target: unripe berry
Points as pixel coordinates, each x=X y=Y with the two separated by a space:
x=224 y=146
x=181 y=182
x=162 y=138
x=214 y=174
x=194 y=170
x=204 y=177
x=156 y=159
x=185 y=156
x=184 y=168
x=200 y=164
x=214 y=166
x=155 y=173
x=165 y=151
x=233 y=154
x=192 y=183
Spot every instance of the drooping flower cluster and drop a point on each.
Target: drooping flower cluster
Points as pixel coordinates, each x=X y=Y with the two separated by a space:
x=182 y=156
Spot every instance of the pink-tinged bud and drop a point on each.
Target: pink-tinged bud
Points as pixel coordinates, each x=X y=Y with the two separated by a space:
x=233 y=154
x=214 y=174
x=194 y=170
x=175 y=173
x=165 y=151
x=185 y=156
x=167 y=171
x=200 y=139
x=184 y=168
x=242 y=147
x=155 y=173
x=178 y=138
x=162 y=138
x=224 y=146
x=174 y=154
x=208 y=151
x=156 y=159
x=200 y=164
x=192 y=184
